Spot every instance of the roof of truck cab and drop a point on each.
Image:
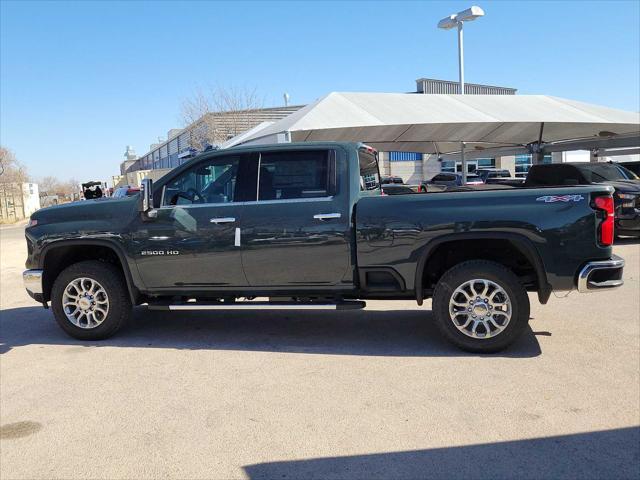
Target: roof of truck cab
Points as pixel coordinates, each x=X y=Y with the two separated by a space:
x=283 y=146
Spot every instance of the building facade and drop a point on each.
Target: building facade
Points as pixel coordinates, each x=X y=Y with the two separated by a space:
x=180 y=142
x=18 y=201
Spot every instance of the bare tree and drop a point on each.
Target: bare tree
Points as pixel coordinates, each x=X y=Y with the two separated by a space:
x=49 y=185
x=70 y=187
x=11 y=170
x=217 y=114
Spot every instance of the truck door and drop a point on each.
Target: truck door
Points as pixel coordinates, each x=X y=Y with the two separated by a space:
x=193 y=241
x=297 y=233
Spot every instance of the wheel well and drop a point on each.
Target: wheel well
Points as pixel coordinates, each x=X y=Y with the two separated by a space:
x=57 y=259
x=503 y=251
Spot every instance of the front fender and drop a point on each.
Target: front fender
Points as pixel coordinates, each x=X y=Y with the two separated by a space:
x=131 y=274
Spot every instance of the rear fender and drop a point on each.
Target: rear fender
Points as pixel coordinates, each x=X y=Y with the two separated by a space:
x=520 y=242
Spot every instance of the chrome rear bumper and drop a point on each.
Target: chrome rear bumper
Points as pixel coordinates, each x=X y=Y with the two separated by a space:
x=32 y=280
x=601 y=275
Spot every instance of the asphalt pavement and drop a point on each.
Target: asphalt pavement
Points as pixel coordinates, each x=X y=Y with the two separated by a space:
x=372 y=394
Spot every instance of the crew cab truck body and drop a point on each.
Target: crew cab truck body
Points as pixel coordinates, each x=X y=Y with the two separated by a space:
x=306 y=226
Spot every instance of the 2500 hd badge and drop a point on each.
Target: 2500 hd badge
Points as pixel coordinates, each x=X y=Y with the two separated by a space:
x=318 y=233
x=159 y=252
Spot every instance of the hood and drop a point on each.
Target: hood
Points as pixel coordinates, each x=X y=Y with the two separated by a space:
x=99 y=209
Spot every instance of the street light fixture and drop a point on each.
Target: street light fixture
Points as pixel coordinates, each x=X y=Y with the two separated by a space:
x=447 y=23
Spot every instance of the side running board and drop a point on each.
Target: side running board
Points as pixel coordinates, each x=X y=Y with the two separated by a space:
x=249 y=305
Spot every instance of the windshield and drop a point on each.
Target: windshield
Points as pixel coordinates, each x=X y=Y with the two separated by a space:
x=629 y=174
x=604 y=172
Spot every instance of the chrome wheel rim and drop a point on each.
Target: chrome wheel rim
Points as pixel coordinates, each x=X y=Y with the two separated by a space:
x=85 y=303
x=480 y=308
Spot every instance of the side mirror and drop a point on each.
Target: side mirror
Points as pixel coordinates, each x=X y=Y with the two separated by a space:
x=146 y=195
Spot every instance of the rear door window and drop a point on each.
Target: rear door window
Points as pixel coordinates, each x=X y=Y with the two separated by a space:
x=291 y=175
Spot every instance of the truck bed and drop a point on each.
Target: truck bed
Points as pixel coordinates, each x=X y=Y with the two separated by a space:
x=557 y=222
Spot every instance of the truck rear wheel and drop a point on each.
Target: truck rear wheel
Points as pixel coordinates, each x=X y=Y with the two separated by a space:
x=90 y=300
x=480 y=306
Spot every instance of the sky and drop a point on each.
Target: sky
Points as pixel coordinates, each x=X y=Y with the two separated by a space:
x=81 y=80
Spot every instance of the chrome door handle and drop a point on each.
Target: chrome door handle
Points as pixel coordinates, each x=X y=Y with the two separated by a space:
x=326 y=216
x=159 y=238
x=223 y=220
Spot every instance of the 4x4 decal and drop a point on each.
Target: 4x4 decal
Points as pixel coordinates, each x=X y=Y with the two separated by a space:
x=559 y=198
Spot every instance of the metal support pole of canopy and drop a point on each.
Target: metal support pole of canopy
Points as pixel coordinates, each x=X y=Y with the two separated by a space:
x=464 y=164
x=537 y=154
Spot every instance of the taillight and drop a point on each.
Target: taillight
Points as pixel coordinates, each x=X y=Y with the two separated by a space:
x=606 y=227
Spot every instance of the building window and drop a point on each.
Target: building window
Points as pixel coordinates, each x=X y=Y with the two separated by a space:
x=448 y=167
x=405 y=156
x=472 y=165
x=524 y=162
x=486 y=162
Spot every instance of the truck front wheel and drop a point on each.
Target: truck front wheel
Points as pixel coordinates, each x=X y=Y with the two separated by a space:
x=480 y=306
x=90 y=301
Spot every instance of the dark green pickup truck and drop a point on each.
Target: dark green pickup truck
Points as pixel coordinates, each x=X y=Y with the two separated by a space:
x=305 y=226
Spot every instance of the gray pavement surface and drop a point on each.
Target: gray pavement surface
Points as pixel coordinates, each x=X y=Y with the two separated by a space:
x=374 y=394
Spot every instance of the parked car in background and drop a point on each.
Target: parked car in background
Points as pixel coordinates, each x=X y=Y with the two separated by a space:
x=388 y=179
x=632 y=166
x=626 y=186
x=498 y=175
x=392 y=185
x=485 y=173
x=446 y=180
x=396 y=189
x=126 y=191
x=628 y=168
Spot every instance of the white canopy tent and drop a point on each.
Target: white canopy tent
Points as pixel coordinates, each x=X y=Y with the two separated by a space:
x=488 y=124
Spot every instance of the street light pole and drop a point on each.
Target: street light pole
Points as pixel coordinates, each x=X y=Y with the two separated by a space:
x=461 y=57
x=457 y=20
x=463 y=161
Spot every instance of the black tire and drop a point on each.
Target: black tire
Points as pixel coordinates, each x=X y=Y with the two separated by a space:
x=113 y=283
x=505 y=279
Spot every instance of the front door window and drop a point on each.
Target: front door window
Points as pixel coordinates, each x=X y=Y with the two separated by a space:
x=211 y=182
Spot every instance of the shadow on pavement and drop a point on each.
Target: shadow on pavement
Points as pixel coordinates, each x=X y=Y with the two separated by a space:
x=363 y=332
x=598 y=455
